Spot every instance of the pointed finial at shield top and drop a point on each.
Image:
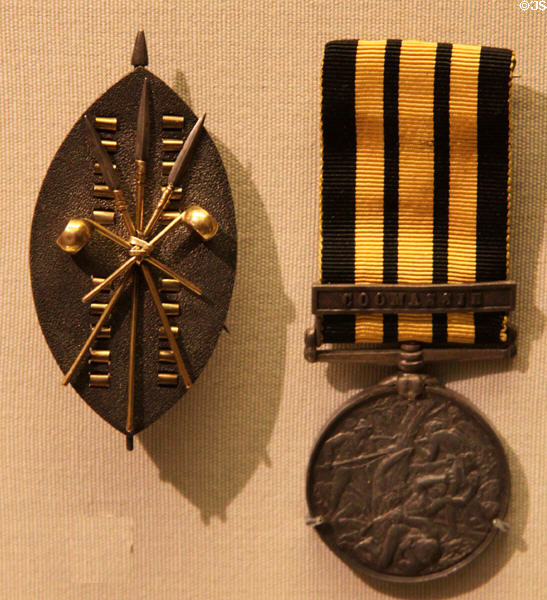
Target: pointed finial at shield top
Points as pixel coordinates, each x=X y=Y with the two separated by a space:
x=139 y=57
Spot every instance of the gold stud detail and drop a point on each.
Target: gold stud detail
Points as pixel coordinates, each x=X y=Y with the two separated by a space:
x=172 y=122
x=75 y=236
x=201 y=221
x=108 y=123
x=170 y=379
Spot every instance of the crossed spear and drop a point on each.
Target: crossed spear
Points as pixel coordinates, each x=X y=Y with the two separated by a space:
x=78 y=232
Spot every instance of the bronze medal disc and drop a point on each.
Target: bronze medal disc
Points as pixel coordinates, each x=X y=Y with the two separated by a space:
x=407 y=486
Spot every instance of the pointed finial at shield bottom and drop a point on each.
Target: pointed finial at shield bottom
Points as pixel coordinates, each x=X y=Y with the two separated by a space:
x=139 y=57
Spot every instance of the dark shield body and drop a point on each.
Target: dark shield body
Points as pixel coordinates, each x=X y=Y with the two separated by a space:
x=59 y=280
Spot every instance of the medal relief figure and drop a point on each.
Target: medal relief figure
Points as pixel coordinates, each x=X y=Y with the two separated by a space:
x=407 y=488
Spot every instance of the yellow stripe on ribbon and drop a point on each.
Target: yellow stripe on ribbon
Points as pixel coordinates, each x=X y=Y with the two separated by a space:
x=369 y=178
x=462 y=216
x=416 y=183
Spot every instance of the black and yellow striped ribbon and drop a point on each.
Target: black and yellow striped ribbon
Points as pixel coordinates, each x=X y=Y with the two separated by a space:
x=416 y=179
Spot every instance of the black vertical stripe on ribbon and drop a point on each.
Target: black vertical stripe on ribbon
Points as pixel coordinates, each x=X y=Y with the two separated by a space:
x=391 y=175
x=441 y=172
x=338 y=329
x=339 y=150
x=492 y=178
x=338 y=186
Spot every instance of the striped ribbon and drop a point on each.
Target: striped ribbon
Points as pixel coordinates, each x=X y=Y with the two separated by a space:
x=416 y=179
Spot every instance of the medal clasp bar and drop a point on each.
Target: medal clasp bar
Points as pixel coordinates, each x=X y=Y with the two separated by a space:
x=347 y=299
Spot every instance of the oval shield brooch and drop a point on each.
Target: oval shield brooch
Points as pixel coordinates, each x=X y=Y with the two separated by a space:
x=133 y=250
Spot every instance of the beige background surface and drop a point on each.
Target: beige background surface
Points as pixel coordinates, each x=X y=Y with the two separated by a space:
x=211 y=503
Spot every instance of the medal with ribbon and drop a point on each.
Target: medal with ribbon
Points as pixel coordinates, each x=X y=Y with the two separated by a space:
x=408 y=481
